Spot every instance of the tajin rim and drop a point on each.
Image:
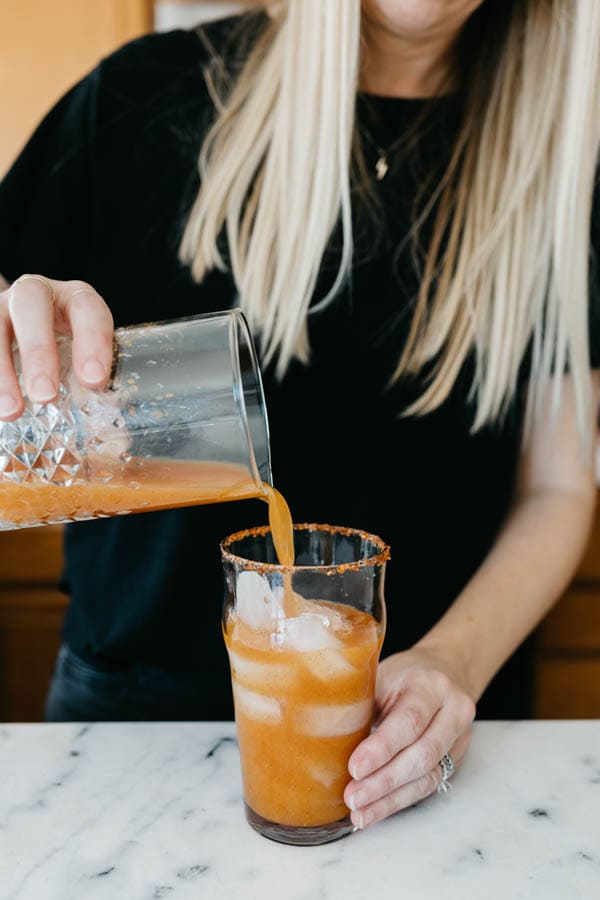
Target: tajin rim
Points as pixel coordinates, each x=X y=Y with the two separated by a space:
x=376 y=559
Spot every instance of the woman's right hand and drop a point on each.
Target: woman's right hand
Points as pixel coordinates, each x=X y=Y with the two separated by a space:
x=34 y=311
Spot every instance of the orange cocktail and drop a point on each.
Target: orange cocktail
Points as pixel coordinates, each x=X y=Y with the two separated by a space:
x=303 y=644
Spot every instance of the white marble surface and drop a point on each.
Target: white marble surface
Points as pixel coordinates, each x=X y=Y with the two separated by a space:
x=142 y=812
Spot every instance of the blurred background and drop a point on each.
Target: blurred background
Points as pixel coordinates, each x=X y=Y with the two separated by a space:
x=44 y=48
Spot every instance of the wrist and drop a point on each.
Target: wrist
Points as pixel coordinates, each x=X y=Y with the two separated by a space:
x=455 y=659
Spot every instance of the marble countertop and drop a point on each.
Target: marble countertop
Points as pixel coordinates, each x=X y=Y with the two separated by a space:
x=149 y=811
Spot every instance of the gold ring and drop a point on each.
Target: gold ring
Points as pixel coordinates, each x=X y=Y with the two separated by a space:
x=42 y=280
x=82 y=291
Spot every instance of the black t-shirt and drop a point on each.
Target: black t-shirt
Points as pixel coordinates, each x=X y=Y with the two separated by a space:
x=101 y=193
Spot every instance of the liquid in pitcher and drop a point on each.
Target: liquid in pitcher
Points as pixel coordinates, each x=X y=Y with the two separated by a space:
x=115 y=488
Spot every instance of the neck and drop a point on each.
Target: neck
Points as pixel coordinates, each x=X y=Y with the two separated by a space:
x=401 y=65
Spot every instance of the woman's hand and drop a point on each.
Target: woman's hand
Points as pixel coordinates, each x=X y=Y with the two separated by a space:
x=34 y=311
x=421 y=712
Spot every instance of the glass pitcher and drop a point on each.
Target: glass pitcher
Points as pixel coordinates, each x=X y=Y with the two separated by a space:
x=181 y=422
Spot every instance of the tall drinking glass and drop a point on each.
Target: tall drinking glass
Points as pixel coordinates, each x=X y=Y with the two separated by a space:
x=181 y=422
x=303 y=644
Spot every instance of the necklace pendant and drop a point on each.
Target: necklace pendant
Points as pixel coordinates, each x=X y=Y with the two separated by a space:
x=381 y=167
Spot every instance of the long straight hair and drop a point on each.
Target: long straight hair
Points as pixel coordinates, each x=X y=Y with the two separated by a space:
x=506 y=272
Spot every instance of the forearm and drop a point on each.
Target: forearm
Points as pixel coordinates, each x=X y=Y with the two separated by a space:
x=526 y=571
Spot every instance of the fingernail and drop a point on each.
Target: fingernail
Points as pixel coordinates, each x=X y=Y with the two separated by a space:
x=366 y=819
x=8 y=405
x=359 y=821
x=93 y=370
x=43 y=389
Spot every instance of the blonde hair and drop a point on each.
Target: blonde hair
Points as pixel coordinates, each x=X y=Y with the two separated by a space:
x=507 y=268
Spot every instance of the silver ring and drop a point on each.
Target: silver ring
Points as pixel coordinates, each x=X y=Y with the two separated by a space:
x=447 y=766
x=41 y=280
x=82 y=291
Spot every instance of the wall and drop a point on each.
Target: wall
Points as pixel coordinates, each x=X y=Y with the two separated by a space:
x=170 y=14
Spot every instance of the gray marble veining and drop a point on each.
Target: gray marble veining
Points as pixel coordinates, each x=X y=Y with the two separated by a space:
x=142 y=812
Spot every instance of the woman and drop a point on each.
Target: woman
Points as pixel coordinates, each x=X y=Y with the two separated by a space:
x=399 y=191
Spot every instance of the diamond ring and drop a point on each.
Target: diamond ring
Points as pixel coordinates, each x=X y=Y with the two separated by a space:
x=447 y=766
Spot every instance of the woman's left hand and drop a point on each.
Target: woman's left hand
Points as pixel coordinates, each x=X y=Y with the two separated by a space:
x=422 y=711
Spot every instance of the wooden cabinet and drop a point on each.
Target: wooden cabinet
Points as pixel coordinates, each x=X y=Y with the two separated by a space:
x=31 y=611
x=31 y=614
x=568 y=646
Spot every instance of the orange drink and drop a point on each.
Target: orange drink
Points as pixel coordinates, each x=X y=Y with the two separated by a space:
x=303 y=644
x=115 y=488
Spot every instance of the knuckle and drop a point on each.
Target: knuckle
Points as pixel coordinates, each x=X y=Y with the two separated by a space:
x=84 y=303
x=382 y=746
x=92 y=310
x=389 y=783
x=441 y=681
x=391 y=804
x=37 y=355
x=414 y=674
x=89 y=304
x=77 y=284
x=468 y=708
x=389 y=748
x=431 y=782
x=427 y=756
x=23 y=290
x=415 y=722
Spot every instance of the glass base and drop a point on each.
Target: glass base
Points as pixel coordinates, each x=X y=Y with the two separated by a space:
x=294 y=834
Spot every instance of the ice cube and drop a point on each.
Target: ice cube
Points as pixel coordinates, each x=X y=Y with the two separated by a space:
x=329 y=664
x=307 y=633
x=257 y=604
x=256 y=706
x=327 y=776
x=336 y=621
x=319 y=720
x=259 y=674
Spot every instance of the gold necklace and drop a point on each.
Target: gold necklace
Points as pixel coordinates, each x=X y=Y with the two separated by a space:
x=382 y=165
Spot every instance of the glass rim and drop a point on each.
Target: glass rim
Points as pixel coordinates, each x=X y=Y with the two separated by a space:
x=376 y=559
x=243 y=333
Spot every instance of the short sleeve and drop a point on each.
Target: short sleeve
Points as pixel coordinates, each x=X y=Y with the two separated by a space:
x=45 y=196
